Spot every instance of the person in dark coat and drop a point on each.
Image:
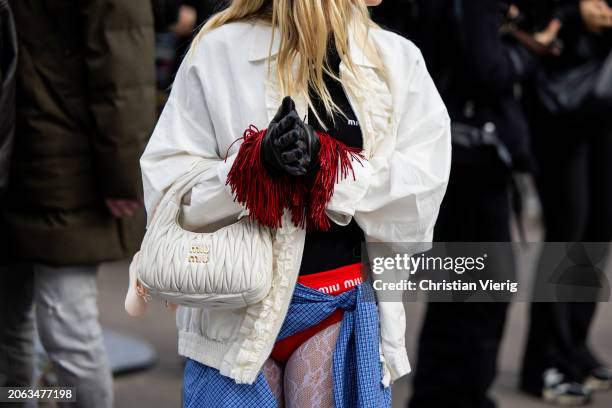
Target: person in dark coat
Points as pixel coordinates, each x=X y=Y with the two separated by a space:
x=8 y=64
x=476 y=70
x=573 y=152
x=85 y=107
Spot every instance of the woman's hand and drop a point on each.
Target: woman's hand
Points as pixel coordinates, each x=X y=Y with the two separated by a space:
x=543 y=43
x=596 y=15
x=289 y=144
x=549 y=35
x=122 y=208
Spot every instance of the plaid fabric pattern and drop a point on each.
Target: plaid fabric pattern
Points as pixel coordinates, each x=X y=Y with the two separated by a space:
x=356 y=365
x=205 y=387
x=357 y=368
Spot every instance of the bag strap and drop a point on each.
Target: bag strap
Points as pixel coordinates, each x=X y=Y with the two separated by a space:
x=187 y=181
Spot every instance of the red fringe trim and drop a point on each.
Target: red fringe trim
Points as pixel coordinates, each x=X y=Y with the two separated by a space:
x=266 y=197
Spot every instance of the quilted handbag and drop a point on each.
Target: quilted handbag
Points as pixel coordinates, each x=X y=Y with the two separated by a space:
x=229 y=267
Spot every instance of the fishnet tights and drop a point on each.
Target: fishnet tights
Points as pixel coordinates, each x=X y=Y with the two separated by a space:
x=306 y=380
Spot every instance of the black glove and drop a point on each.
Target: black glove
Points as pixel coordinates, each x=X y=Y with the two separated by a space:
x=289 y=144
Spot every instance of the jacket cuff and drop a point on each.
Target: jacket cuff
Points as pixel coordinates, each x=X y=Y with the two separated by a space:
x=267 y=196
x=340 y=215
x=348 y=192
x=397 y=364
x=252 y=186
x=223 y=171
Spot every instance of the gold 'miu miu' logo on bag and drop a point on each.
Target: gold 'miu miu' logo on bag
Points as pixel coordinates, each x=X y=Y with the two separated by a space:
x=198 y=254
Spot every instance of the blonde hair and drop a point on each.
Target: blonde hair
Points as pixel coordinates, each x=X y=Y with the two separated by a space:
x=304 y=27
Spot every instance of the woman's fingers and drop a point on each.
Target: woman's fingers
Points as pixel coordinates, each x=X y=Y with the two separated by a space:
x=287 y=123
x=606 y=17
x=301 y=144
x=296 y=170
x=549 y=35
x=287 y=105
x=297 y=159
x=596 y=15
x=122 y=208
x=293 y=155
x=603 y=15
x=288 y=139
x=112 y=207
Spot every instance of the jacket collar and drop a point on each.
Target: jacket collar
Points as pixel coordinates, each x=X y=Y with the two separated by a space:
x=261 y=35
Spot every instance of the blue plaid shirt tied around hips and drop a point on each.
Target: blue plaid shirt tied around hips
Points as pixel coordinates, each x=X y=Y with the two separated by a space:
x=356 y=361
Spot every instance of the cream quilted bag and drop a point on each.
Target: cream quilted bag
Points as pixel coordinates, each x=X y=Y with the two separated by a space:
x=229 y=267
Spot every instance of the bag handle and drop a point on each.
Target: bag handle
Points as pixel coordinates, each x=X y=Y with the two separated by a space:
x=188 y=180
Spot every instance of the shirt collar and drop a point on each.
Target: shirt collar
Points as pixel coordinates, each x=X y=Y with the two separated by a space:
x=259 y=48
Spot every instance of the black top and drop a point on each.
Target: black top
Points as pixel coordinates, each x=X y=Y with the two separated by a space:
x=340 y=245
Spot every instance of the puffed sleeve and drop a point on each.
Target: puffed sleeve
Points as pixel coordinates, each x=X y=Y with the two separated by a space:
x=185 y=135
x=395 y=197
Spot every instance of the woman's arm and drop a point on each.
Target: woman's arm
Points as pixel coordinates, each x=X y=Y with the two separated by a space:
x=397 y=198
x=184 y=136
x=405 y=190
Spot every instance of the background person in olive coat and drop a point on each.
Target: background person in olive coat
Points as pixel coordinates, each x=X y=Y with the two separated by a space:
x=85 y=106
x=8 y=63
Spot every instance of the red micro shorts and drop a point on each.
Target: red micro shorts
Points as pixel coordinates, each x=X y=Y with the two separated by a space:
x=332 y=282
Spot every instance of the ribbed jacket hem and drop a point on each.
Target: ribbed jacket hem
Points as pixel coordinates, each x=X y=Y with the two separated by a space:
x=201 y=349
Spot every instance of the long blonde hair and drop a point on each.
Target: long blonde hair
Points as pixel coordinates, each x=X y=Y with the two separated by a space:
x=304 y=27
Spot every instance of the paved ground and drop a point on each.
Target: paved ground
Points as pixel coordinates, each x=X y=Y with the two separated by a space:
x=160 y=386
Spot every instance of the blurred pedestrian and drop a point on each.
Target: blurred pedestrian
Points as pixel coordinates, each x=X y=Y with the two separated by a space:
x=176 y=22
x=193 y=14
x=573 y=148
x=8 y=65
x=85 y=107
x=476 y=69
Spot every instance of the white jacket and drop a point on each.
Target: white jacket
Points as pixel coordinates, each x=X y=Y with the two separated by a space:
x=222 y=89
